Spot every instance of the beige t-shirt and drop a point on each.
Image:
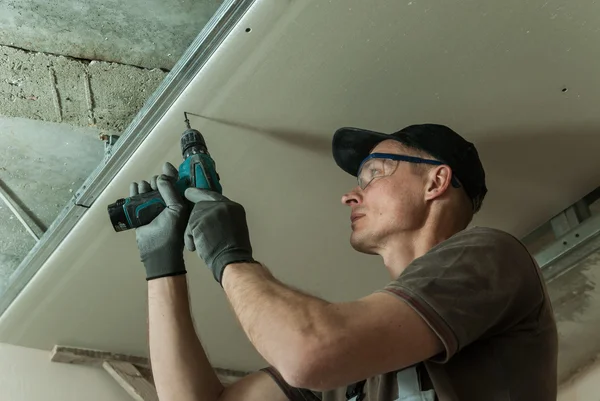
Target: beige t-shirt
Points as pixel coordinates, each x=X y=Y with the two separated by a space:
x=484 y=296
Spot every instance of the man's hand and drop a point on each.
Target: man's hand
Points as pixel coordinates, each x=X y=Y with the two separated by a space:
x=217 y=230
x=161 y=242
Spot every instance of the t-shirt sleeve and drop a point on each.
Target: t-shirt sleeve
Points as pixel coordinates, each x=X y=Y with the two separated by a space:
x=478 y=283
x=292 y=393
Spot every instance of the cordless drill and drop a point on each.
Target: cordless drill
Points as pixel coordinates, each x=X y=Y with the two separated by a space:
x=198 y=170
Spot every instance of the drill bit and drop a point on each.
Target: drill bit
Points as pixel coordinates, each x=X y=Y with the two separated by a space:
x=187 y=120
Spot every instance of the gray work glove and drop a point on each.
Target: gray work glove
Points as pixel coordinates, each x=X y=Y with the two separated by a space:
x=161 y=242
x=217 y=231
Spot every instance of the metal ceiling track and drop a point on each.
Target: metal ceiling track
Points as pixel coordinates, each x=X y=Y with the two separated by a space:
x=188 y=66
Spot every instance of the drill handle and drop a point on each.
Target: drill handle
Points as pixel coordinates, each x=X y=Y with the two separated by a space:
x=136 y=211
x=198 y=171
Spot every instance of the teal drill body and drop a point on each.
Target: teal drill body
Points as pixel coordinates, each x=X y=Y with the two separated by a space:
x=197 y=170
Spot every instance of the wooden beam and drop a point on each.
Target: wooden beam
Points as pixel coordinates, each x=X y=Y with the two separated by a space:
x=92 y=357
x=130 y=378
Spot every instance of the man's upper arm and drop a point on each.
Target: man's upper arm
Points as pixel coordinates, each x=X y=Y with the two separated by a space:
x=374 y=335
x=257 y=386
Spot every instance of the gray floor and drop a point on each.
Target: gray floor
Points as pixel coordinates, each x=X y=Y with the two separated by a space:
x=41 y=165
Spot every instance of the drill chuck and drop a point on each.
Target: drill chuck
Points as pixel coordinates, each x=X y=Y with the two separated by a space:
x=192 y=142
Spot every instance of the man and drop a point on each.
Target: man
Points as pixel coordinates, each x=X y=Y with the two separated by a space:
x=466 y=315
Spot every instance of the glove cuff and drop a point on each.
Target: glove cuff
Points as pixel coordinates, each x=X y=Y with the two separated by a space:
x=163 y=265
x=177 y=273
x=220 y=262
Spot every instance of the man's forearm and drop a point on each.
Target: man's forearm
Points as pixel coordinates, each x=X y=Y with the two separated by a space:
x=180 y=367
x=282 y=323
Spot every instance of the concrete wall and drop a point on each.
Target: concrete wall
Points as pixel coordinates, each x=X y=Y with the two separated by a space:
x=583 y=387
x=576 y=301
x=28 y=375
x=84 y=93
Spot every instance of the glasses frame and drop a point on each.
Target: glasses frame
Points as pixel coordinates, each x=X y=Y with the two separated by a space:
x=404 y=158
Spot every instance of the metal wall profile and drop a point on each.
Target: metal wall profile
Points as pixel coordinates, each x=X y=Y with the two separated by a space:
x=189 y=65
x=572 y=247
x=577 y=235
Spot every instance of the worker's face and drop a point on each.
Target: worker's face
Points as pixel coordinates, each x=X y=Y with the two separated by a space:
x=388 y=206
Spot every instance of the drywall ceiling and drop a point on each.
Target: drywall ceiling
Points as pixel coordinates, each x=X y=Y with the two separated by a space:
x=517 y=78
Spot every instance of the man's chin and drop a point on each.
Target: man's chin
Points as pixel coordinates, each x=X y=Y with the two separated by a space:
x=362 y=246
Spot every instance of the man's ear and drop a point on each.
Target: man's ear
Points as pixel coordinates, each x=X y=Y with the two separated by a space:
x=438 y=180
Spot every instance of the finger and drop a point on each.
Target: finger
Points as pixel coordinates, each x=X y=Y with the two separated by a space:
x=168 y=191
x=153 y=183
x=197 y=195
x=170 y=170
x=133 y=189
x=144 y=186
x=188 y=239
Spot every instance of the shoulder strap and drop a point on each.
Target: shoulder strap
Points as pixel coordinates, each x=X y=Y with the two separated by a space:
x=355 y=390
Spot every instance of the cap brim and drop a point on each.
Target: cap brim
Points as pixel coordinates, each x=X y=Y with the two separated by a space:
x=351 y=145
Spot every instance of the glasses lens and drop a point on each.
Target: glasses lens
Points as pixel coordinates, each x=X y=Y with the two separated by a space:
x=375 y=168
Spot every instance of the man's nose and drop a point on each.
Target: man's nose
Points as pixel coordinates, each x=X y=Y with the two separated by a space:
x=352 y=197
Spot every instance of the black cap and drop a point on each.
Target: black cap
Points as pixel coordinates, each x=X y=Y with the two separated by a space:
x=352 y=145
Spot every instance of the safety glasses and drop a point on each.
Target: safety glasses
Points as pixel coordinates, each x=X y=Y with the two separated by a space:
x=378 y=165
